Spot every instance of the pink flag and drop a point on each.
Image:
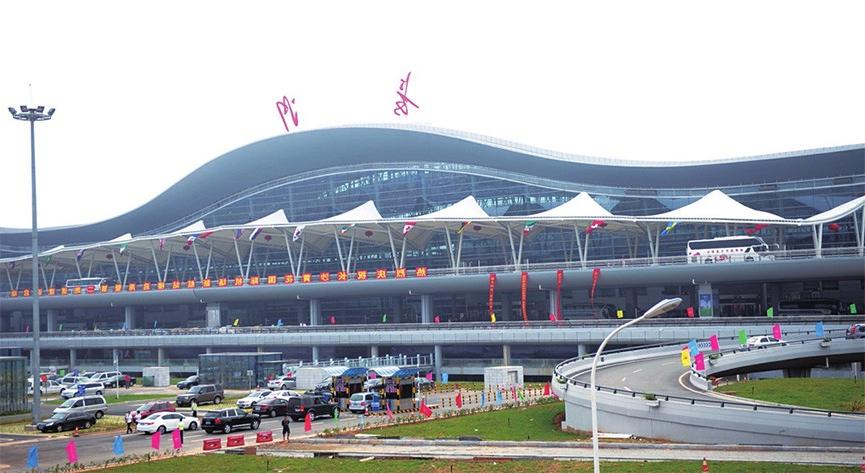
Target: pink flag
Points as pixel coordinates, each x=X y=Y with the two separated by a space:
x=552 y=317
x=437 y=319
x=389 y=412
x=776 y=331
x=71 y=452
x=154 y=440
x=514 y=392
x=372 y=375
x=699 y=362
x=424 y=409
x=175 y=437
x=429 y=376
x=713 y=341
x=547 y=389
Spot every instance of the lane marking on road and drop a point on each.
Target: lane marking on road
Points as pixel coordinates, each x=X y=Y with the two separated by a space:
x=668 y=363
x=637 y=370
x=624 y=378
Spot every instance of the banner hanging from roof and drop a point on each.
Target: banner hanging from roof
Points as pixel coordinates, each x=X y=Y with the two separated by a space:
x=596 y=275
x=560 y=278
x=492 y=292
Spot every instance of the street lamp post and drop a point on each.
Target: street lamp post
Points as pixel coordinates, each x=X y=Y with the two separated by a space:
x=34 y=115
x=665 y=305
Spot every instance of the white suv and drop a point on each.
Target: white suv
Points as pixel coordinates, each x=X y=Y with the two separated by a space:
x=763 y=341
x=89 y=389
x=283 y=383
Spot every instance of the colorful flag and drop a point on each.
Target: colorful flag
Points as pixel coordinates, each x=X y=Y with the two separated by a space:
x=33 y=457
x=770 y=312
x=236 y=322
x=514 y=393
x=493 y=317
x=384 y=318
x=336 y=416
x=853 y=309
x=429 y=376
x=238 y=232
x=596 y=224
x=191 y=239
x=154 y=440
x=713 y=341
x=463 y=226
x=424 y=409
x=175 y=439
x=254 y=234
x=161 y=243
x=669 y=228
x=483 y=399
x=345 y=228
x=699 y=362
x=389 y=412
x=620 y=314
x=297 y=232
x=521 y=395
x=690 y=312
x=279 y=323
x=154 y=323
x=437 y=319
x=833 y=227
x=307 y=423
x=444 y=378
x=72 y=452
x=553 y=317
x=776 y=331
x=686 y=357
x=78 y=255
x=118 y=446
x=596 y=275
x=11 y=265
x=528 y=226
x=459 y=401
x=692 y=345
x=819 y=330
x=206 y=234
x=123 y=249
x=332 y=320
x=743 y=337
x=547 y=389
x=407 y=227
x=499 y=397
x=124 y=326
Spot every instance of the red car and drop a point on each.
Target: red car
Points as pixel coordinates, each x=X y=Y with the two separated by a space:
x=153 y=407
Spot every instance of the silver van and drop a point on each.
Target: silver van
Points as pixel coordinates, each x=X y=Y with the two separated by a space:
x=95 y=405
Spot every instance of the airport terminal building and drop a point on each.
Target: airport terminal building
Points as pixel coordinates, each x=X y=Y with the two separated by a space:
x=377 y=226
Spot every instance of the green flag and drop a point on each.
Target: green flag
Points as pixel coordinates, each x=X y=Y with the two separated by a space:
x=853 y=309
x=384 y=318
x=770 y=312
x=336 y=416
x=743 y=337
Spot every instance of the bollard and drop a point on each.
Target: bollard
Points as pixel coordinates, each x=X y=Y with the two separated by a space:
x=211 y=444
x=234 y=441
x=264 y=437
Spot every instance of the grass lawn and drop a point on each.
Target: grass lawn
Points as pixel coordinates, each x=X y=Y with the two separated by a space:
x=105 y=424
x=111 y=398
x=835 y=394
x=475 y=386
x=522 y=423
x=213 y=463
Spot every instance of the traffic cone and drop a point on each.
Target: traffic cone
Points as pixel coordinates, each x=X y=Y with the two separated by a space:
x=75 y=434
x=705 y=466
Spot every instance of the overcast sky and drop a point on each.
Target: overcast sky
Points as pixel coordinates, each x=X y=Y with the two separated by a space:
x=146 y=95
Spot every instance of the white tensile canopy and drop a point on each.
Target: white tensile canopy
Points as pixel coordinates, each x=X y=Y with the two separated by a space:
x=715 y=207
x=464 y=218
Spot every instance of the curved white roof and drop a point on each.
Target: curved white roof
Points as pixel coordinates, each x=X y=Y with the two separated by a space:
x=717 y=205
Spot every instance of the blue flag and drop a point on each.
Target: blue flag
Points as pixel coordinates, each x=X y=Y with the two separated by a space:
x=279 y=323
x=498 y=397
x=483 y=398
x=79 y=391
x=118 y=446
x=33 y=457
x=75 y=372
x=819 y=329
x=444 y=378
x=124 y=326
x=692 y=346
x=154 y=323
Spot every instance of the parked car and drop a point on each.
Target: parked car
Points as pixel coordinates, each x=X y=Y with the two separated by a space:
x=147 y=409
x=251 y=399
x=89 y=389
x=69 y=380
x=113 y=379
x=47 y=387
x=763 y=341
x=424 y=384
x=166 y=422
x=855 y=331
x=316 y=406
x=324 y=385
x=95 y=405
x=283 y=383
x=188 y=382
x=227 y=420
x=376 y=384
x=271 y=407
x=324 y=393
x=201 y=394
x=361 y=403
x=67 y=421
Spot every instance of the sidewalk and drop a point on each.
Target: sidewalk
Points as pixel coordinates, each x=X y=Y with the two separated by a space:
x=454 y=449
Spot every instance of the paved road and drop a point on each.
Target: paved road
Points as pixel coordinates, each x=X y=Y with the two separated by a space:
x=659 y=376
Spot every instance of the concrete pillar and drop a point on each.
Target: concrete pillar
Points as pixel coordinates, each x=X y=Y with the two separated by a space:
x=214 y=315
x=438 y=363
x=129 y=317
x=51 y=320
x=426 y=309
x=73 y=359
x=314 y=313
x=208 y=350
x=506 y=355
x=507 y=305
x=314 y=354
x=260 y=349
x=581 y=349
x=373 y=351
x=397 y=310
x=4 y=322
x=160 y=357
x=16 y=324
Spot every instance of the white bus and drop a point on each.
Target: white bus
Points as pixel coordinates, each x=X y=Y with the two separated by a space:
x=728 y=249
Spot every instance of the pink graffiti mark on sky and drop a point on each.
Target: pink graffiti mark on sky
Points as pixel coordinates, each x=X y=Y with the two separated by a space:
x=402 y=104
x=284 y=107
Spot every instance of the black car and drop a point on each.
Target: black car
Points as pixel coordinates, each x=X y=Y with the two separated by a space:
x=67 y=421
x=271 y=407
x=227 y=420
x=315 y=405
x=188 y=382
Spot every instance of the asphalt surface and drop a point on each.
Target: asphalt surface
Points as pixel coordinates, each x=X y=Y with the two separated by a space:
x=658 y=376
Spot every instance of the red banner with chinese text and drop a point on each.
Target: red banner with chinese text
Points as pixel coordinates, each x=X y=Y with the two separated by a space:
x=524 y=288
x=492 y=291
x=560 y=278
x=596 y=274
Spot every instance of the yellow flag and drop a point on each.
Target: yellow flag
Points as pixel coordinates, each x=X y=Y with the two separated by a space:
x=493 y=317
x=236 y=322
x=686 y=357
x=620 y=313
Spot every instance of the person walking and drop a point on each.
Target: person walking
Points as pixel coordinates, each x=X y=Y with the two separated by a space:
x=129 y=419
x=286 y=429
x=194 y=412
x=126 y=380
x=180 y=428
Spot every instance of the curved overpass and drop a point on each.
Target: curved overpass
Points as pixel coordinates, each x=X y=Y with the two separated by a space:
x=686 y=414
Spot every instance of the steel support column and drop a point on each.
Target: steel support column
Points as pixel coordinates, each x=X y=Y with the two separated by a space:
x=426 y=309
x=438 y=362
x=506 y=355
x=314 y=312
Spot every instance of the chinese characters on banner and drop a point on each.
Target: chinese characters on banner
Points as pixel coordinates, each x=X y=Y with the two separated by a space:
x=403 y=102
x=284 y=107
x=596 y=274
x=492 y=291
x=560 y=278
x=524 y=287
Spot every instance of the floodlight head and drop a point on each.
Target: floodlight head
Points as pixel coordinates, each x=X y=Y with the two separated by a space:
x=51 y=111
x=24 y=109
x=12 y=111
x=40 y=108
x=662 y=307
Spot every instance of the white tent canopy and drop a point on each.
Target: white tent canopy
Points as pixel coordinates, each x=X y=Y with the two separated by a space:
x=583 y=206
x=838 y=212
x=193 y=228
x=271 y=220
x=715 y=207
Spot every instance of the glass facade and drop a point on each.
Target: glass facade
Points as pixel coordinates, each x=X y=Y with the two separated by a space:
x=236 y=370
x=13 y=384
